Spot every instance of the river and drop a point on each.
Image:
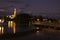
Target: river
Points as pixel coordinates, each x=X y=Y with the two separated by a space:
x=24 y=32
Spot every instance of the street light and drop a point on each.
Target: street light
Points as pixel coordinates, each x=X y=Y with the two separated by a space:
x=1 y=20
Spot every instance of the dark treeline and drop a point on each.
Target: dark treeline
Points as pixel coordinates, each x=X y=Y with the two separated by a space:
x=23 y=18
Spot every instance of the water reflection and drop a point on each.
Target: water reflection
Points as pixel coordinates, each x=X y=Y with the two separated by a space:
x=12 y=26
x=37 y=27
x=37 y=31
x=1 y=30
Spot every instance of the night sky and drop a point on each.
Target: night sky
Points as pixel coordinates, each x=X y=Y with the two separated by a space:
x=50 y=8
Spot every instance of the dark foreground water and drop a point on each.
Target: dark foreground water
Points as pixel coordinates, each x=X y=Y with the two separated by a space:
x=16 y=31
x=35 y=36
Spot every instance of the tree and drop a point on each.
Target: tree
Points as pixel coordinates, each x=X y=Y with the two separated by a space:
x=23 y=18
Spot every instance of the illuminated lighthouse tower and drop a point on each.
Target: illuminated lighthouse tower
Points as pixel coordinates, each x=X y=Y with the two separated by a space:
x=13 y=15
x=14 y=12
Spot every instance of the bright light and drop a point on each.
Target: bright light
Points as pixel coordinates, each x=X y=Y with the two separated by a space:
x=15 y=12
x=37 y=31
x=14 y=28
x=38 y=19
x=11 y=22
x=7 y=16
x=8 y=23
x=1 y=20
x=37 y=27
x=1 y=30
x=12 y=25
x=13 y=15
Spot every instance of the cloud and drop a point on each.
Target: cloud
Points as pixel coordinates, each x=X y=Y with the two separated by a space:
x=14 y=1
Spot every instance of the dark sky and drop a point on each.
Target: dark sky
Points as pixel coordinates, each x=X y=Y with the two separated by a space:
x=42 y=7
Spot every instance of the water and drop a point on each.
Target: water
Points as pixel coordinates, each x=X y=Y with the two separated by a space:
x=13 y=27
x=11 y=30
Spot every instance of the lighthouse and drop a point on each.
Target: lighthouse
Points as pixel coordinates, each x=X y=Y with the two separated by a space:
x=13 y=15
x=14 y=12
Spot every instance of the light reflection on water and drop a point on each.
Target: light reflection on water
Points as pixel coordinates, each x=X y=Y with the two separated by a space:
x=1 y=29
x=12 y=25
